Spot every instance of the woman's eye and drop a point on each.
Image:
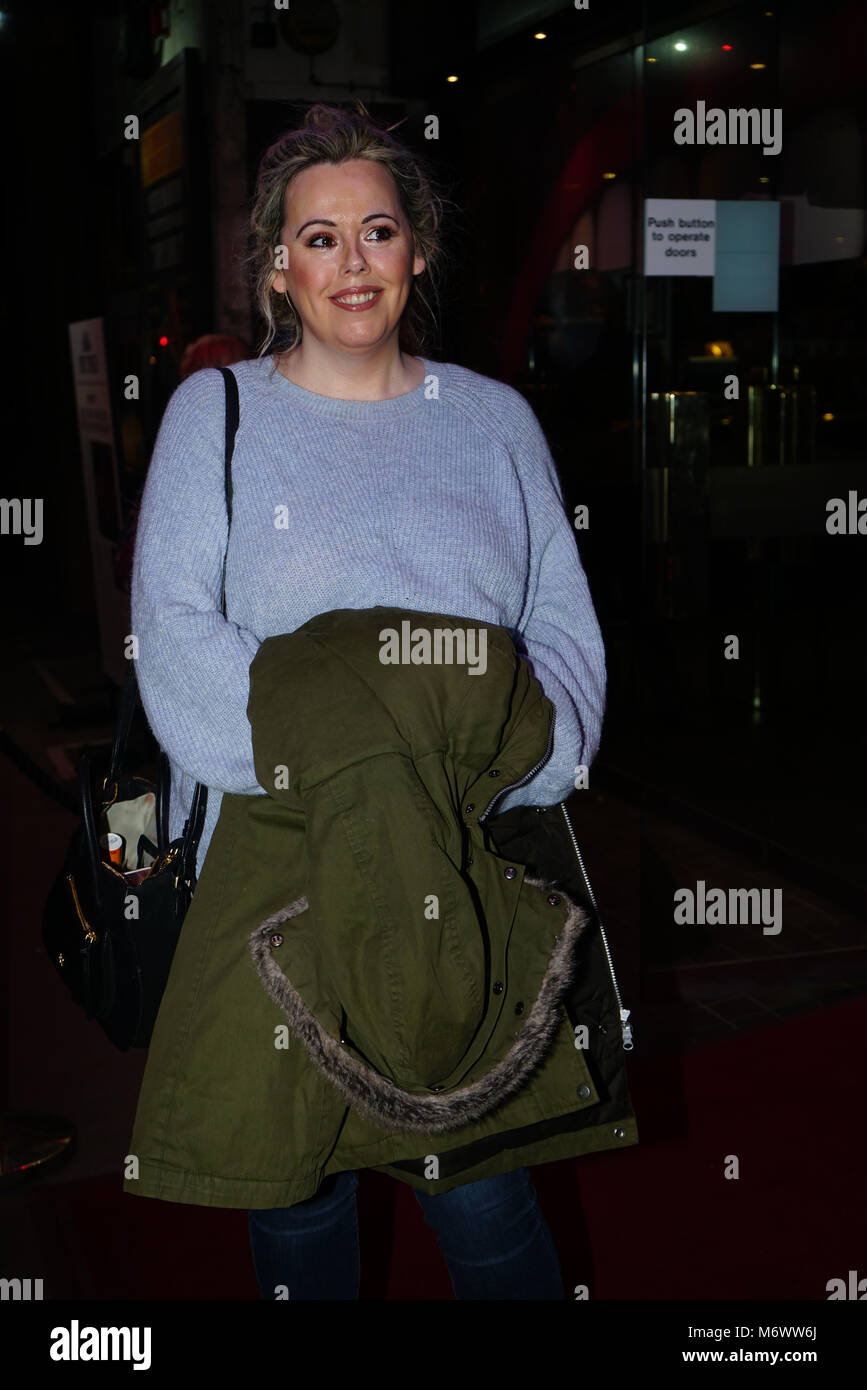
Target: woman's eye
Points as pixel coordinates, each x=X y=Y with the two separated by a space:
x=326 y=236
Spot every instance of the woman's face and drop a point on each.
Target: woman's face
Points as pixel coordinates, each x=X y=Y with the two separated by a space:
x=344 y=228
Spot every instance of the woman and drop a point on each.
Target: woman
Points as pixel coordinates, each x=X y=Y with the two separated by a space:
x=364 y=474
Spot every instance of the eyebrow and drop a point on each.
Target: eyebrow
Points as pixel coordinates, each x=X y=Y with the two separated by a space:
x=324 y=222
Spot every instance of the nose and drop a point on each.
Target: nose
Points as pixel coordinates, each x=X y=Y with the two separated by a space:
x=355 y=259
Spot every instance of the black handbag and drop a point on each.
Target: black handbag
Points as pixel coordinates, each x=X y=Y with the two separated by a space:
x=110 y=929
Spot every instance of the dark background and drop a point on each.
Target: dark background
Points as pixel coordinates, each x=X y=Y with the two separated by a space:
x=707 y=516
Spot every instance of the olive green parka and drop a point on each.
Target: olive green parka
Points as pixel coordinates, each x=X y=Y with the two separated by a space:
x=377 y=970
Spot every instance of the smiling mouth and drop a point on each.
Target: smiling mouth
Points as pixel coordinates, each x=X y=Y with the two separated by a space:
x=356 y=300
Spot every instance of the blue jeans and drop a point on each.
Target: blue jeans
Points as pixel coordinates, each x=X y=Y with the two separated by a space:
x=493 y=1235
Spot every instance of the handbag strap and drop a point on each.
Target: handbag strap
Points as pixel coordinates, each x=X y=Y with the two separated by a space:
x=89 y=828
x=164 y=783
x=196 y=819
x=124 y=723
x=232 y=417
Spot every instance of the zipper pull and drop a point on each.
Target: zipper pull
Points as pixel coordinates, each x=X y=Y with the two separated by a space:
x=626 y=1029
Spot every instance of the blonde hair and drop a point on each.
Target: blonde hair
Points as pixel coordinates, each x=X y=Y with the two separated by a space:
x=332 y=135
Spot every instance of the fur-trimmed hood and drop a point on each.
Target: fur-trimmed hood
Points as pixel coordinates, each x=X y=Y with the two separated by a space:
x=423 y=974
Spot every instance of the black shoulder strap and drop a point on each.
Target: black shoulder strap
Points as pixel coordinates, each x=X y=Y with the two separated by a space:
x=232 y=417
x=124 y=724
x=196 y=819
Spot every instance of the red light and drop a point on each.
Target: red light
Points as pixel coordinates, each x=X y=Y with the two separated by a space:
x=726 y=48
x=164 y=342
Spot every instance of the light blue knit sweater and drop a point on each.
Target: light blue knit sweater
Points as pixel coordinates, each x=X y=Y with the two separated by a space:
x=445 y=499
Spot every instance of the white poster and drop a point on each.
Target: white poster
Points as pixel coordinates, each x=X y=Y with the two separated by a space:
x=679 y=236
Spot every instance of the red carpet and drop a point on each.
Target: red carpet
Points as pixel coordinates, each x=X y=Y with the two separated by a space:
x=659 y=1221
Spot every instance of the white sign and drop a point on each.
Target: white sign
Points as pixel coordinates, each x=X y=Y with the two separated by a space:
x=91 y=381
x=679 y=236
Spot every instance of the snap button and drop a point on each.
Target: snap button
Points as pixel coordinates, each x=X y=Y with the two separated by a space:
x=553 y=899
x=510 y=872
x=469 y=862
x=494 y=773
x=469 y=809
x=583 y=1092
x=436 y=1088
x=498 y=986
x=519 y=1007
x=276 y=939
x=602 y=1028
x=618 y=1133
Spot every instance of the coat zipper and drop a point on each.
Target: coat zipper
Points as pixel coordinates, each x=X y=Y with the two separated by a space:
x=625 y=1026
x=525 y=779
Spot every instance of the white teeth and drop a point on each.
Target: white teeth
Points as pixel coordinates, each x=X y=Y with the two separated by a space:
x=357 y=298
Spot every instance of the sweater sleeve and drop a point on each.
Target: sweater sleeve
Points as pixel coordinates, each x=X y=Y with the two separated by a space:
x=193 y=664
x=559 y=633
